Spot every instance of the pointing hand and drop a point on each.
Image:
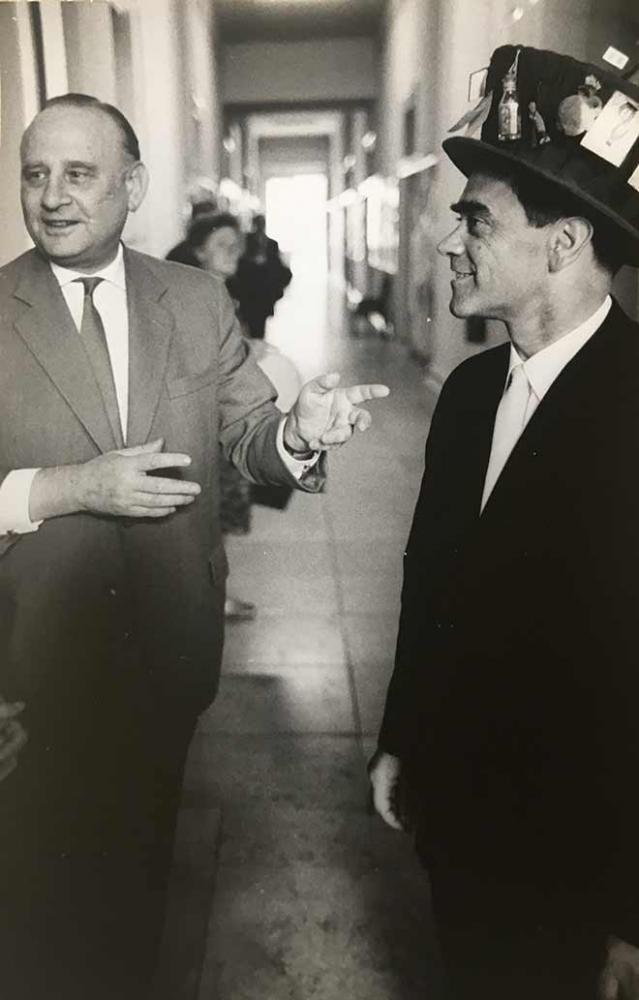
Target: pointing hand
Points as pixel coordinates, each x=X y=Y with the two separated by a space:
x=325 y=415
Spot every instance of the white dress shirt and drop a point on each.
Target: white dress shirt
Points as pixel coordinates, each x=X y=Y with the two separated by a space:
x=110 y=300
x=541 y=370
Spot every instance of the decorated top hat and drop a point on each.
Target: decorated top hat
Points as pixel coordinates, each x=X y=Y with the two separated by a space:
x=569 y=123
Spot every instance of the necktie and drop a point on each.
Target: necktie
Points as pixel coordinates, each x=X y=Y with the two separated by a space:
x=509 y=423
x=95 y=343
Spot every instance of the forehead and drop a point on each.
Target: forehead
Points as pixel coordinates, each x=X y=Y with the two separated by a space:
x=496 y=195
x=68 y=133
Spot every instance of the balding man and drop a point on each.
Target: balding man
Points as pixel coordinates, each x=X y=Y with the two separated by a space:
x=120 y=376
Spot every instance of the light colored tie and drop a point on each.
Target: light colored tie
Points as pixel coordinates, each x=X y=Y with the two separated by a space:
x=509 y=423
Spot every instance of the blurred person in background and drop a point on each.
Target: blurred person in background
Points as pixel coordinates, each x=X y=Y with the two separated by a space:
x=182 y=253
x=261 y=280
x=214 y=243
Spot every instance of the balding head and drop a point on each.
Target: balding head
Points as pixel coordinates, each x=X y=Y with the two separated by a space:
x=73 y=100
x=80 y=180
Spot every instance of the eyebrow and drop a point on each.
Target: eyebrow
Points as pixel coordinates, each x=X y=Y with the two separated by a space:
x=83 y=164
x=468 y=207
x=73 y=164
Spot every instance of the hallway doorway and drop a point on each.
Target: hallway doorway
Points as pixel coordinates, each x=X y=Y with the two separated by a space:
x=295 y=208
x=296 y=218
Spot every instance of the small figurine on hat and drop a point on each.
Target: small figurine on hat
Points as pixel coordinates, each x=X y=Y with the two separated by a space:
x=539 y=133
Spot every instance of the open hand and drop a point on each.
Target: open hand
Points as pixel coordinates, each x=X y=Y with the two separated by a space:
x=325 y=416
x=620 y=977
x=119 y=482
x=384 y=772
x=12 y=736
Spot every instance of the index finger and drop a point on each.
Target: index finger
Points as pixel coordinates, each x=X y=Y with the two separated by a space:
x=162 y=460
x=360 y=393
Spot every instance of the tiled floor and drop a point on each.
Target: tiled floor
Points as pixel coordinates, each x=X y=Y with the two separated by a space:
x=314 y=899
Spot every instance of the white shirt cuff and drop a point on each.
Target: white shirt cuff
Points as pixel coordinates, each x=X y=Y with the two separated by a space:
x=14 y=502
x=296 y=467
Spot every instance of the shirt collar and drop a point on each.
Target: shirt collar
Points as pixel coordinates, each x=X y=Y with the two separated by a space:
x=546 y=365
x=113 y=272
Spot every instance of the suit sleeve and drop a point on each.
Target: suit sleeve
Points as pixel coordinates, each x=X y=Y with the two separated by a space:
x=249 y=418
x=614 y=554
x=400 y=712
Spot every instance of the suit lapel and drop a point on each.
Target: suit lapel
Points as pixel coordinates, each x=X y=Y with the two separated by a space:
x=568 y=407
x=471 y=451
x=150 y=330
x=45 y=324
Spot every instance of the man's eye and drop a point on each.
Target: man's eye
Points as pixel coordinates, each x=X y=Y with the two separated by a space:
x=474 y=224
x=77 y=175
x=34 y=176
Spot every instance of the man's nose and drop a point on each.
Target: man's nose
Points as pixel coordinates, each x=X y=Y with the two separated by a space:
x=55 y=193
x=451 y=244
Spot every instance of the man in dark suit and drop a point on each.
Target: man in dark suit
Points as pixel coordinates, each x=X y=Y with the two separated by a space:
x=510 y=738
x=120 y=376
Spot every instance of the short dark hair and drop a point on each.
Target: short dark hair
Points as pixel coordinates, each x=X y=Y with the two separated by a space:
x=204 y=225
x=545 y=203
x=129 y=138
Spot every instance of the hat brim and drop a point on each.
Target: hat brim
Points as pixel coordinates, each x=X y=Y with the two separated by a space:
x=471 y=155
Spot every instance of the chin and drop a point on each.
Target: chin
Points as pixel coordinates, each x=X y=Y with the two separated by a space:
x=461 y=310
x=57 y=250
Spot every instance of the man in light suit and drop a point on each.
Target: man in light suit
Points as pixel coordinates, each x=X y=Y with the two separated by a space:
x=120 y=374
x=510 y=737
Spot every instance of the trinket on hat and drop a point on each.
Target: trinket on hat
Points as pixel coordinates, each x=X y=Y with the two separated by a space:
x=578 y=112
x=616 y=129
x=473 y=120
x=539 y=134
x=508 y=112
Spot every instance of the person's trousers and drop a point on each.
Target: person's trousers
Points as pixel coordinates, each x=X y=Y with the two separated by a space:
x=509 y=940
x=87 y=823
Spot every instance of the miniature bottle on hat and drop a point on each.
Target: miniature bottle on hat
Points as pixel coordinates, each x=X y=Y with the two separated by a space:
x=508 y=112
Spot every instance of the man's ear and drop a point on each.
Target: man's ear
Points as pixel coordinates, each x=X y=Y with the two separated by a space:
x=568 y=238
x=137 y=182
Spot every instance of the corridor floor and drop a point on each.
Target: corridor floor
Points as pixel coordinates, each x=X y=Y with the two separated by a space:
x=314 y=899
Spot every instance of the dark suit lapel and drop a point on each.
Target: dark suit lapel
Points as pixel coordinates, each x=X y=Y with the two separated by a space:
x=570 y=405
x=46 y=325
x=471 y=451
x=150 y=330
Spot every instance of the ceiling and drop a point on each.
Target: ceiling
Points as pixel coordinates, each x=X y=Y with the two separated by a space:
x=270 y=20
x=290 y=124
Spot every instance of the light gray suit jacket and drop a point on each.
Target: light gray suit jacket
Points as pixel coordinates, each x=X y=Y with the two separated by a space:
x=95 y=590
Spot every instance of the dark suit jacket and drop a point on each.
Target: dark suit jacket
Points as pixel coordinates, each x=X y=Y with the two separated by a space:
x=515 y=698
x=87 y=593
